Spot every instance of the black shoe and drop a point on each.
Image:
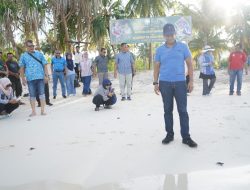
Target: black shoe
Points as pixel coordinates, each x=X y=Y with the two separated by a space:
x=231 y=93
x=167 y=139
x=64 y=96
x=26 y=95
x=97 y=109
x=107 y=107
x=129 y=98
x=123 y=98
x=238 y=93
x=190 y=142
x=49 y=104
x=54 y=97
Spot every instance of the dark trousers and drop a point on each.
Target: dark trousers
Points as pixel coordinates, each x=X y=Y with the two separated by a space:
x=8 y=108
x=46 y=89
x=16 y=85
x=207 y=86
x=78 y=76
x=98 y=101
x=177 y=91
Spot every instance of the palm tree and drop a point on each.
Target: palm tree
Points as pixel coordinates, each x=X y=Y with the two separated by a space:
x=207 y=28
x=239 y=27
x=8 y=18
x=147 y=8
x=31 y=14
x=100 y=24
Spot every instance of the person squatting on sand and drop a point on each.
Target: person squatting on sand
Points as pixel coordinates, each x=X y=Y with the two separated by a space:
x=104 y=95
x=8 y=102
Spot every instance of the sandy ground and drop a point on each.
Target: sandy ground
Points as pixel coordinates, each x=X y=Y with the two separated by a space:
x=75 y=145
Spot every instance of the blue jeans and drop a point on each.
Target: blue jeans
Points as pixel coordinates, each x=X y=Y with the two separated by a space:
x=86 y=84
x=36 y=87
x=233 y=75
x=177 y=90
x=70 y=84
x=60 y=76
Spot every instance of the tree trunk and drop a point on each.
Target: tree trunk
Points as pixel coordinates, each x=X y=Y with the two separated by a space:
x=66 y=32
x=13 y=43
x=88 y=20
x=37 y=40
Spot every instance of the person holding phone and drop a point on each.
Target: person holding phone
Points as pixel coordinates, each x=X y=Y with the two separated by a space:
x=104 y=95
x=8 y=102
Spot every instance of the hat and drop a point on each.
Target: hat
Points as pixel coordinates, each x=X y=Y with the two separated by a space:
x=106 y=82
x=207 y=48
x=169 y=29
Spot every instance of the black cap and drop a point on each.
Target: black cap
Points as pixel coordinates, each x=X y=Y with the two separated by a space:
x=169 y=29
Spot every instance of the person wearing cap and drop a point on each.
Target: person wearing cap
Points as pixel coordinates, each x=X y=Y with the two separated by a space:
x=8 y=102
x=3 y=68
x=169 y=80
x=125 y=66
x=236 y=64
x=104 y=95
x=206 y=61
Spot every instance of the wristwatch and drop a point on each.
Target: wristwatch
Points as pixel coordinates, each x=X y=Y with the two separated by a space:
x=155 y=83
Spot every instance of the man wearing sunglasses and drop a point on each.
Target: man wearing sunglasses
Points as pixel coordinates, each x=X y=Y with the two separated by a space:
x=101 y=64
x=34 y=72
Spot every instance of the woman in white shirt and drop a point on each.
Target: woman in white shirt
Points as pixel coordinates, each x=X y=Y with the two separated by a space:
x=86 y=73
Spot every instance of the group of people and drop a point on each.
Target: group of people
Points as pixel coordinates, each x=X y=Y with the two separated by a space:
x=237 y=62
x=33 y=71
x=169 y=78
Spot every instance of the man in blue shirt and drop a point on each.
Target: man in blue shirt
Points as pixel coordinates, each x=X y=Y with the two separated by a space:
x=169 y=70
x=34 y=72
x=58 y=66
x=124 y=64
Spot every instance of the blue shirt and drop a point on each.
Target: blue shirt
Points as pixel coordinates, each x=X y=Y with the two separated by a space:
x=124 y=62
x=206 y=61
x=58 y=64
x=172 y=61
x=33 y=69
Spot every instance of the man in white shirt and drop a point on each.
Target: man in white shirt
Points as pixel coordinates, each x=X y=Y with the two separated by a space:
x=77 y=59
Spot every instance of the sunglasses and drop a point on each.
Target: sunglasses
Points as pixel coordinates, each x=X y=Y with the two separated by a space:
x=31 y=45
x=104 y=52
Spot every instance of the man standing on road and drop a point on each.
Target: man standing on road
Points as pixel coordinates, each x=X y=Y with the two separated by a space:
x=58 y=66
x=101 y=63
x=124 y=64
x=34 y=65
x=237 y=61
x=169 y=80
x=77 y=58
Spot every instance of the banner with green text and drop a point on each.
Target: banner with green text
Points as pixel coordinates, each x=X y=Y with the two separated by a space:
x=146 y=30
